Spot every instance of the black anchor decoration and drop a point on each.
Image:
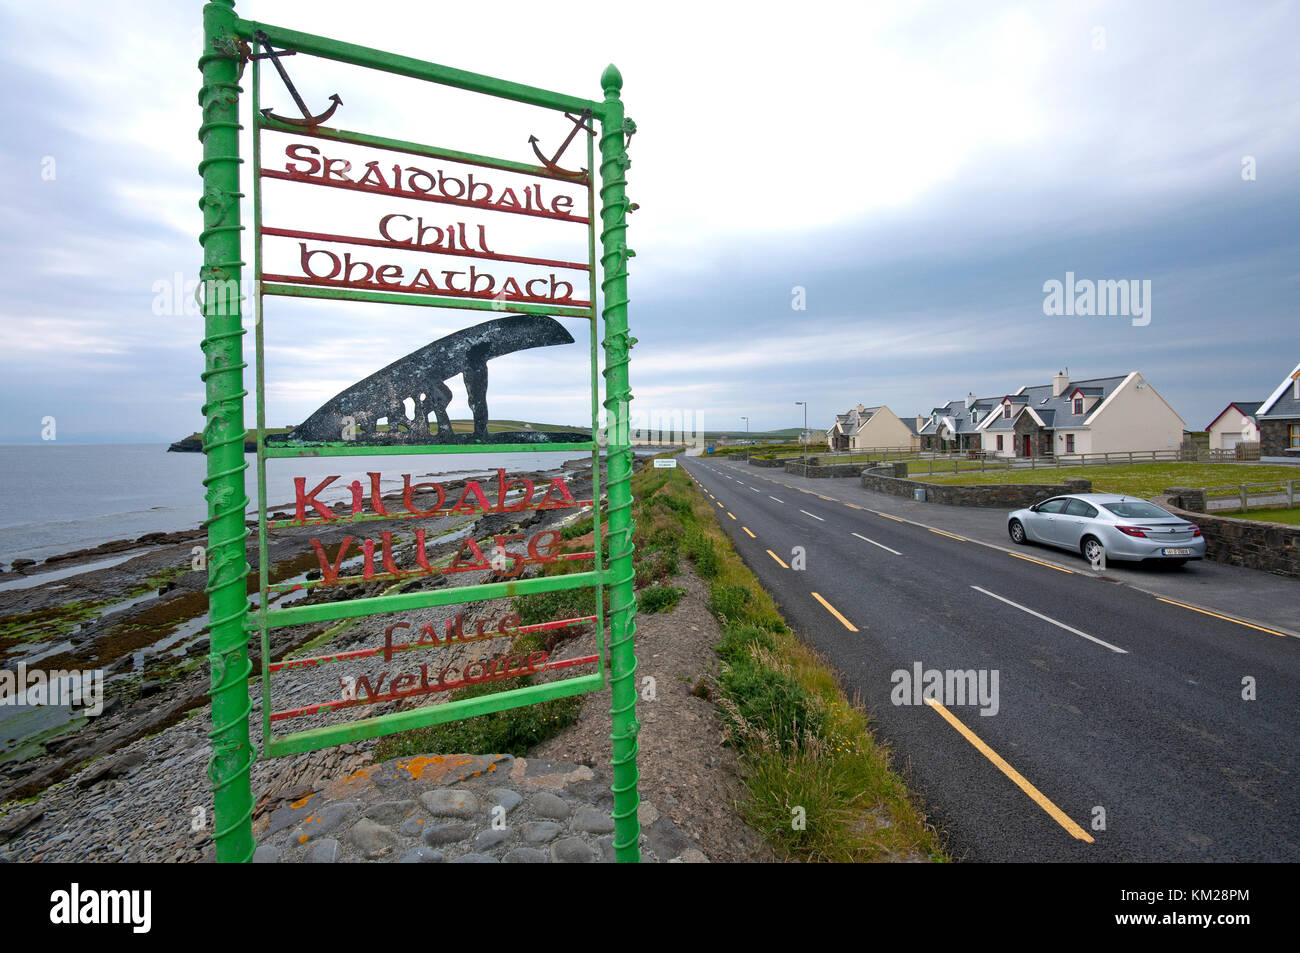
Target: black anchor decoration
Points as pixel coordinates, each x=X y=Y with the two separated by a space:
x=307 y=120
x=579 y=122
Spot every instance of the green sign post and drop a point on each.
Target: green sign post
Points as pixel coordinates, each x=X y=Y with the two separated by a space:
x=366 y=419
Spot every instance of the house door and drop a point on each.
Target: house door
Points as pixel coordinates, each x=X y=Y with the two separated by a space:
x=1028 y=447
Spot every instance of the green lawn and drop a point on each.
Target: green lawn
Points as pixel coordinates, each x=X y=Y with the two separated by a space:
x=1291 y=516
x=1138 y=479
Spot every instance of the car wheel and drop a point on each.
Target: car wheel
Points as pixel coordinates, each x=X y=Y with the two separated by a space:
x=1017 y=531
x=1092 y=549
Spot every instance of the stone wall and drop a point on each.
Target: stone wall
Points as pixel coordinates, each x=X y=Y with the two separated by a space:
x=757 y=462
x=1275 y=438
x=834 y=470
x=1004 y=496
x=1254 y=544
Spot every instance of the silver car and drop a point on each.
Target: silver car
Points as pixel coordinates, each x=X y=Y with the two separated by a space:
x=1118 y=527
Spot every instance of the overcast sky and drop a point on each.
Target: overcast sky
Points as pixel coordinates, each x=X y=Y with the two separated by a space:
x=920 y=170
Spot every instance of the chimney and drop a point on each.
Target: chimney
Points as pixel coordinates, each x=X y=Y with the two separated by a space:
x=970 y=400
x=921 y=421
x=1059 y=383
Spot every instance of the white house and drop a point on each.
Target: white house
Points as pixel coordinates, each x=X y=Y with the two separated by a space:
x=1235 y=424
x=1097 y=415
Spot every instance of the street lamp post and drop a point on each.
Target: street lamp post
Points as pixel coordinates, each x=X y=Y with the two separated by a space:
x=746 y=420
x=803 y=437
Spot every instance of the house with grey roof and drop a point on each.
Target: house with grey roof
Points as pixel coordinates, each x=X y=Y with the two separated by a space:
x=955 y=426
x=1096 y=415
x=1279 y=419
x=871 y=428
x=1235 y=424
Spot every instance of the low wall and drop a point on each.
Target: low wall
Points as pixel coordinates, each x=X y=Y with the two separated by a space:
x=1254 y=544
x=834 y=470
x=756 y=462
x=1004 y=495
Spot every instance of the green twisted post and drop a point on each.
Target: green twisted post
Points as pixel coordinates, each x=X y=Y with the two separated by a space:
x=622 y=599
x=223 y=436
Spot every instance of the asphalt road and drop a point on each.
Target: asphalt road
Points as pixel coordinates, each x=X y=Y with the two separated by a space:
x=1120 y=731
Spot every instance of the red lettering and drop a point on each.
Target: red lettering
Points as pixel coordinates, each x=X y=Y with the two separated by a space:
x=373 y=176
x=294 y=151
x=408 y=493
x=506 y=487
x=535 y=544
x=565 y=497
x=330 y=573
x=302 y=501
x=482 y=504
x=306 y=259
x=388 y=638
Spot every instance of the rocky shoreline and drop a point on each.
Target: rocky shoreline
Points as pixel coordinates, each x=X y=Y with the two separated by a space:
x=142 y=622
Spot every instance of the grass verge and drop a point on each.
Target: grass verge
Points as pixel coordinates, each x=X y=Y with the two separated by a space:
x=1137 y=479
x=819 y=787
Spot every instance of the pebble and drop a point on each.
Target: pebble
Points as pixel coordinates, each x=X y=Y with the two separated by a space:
x=440 y=834
x=266 y=854
x=539 y=832
x=390 y=812
x=475 y=859
x=505 y=797
x=423 y=855
x=593 y=820
x=324 y=851
x=450 y=802
x=492 y=837
x=572 y=850
x=525 y=855
x=372 y=839
x=550 y=805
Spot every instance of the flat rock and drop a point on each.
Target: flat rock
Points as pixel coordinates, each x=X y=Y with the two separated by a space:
x=539 y=832
x=592 y=820
x=546 y=804
x=438 y=834
x=423 y=855
x=450 y=802
x=492 y=837
x=371 y=838
x=266 y=854
x=504 y=797
x=573 y=850
x=390 y=812
x=525 y=855
x=475 y=859
x=324 y=821
x=324 y=851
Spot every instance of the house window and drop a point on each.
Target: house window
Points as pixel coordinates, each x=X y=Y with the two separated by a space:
x=1078 y=405
x=1006 y=411
x=1069 y=443
x=999 y=441
x=1295 y=437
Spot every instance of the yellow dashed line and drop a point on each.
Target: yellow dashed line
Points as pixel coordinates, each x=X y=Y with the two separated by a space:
x=778 y=559
x=835 y=612
x=751 y=535
x=894 y=518
x=949 y=535
x=1075 y=831
x=732 y=515
x=1041 y=563
x=854 y=506
x=1225 y=618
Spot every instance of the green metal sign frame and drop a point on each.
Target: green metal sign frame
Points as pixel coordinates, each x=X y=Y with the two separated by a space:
x=226 y=51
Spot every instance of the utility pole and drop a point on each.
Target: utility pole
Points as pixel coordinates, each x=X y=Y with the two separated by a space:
x=803 y=437
x=746 y=420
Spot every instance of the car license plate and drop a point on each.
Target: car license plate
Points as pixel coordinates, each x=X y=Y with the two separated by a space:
x=1176 y=552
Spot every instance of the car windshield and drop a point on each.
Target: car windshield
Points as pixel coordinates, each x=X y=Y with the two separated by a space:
x=1138 y=510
